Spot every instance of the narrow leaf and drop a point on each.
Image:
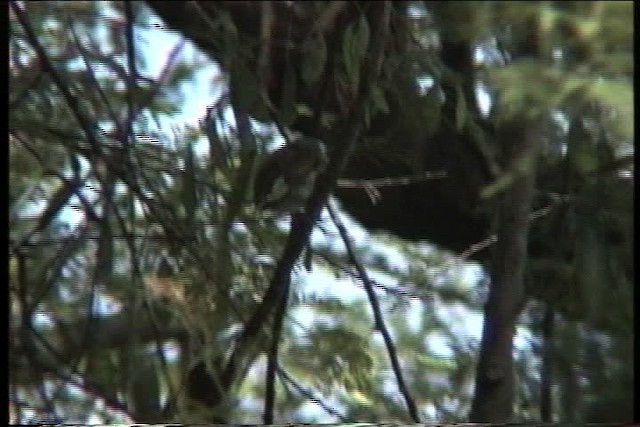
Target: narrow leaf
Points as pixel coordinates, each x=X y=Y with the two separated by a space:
x=461 y=109
x=188 y=194
x=314 y=50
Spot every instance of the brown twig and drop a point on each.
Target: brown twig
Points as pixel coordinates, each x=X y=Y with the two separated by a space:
x=309 y=395
x=302 y=224
x=377 y=316
x=391 y=181
x=371 y=186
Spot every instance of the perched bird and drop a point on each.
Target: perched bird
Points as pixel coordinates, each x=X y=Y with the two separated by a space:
x=285 y=178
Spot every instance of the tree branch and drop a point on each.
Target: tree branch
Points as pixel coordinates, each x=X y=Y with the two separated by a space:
x=377 y=316
x=309 y=395
x=495 y=379
x=302 y=224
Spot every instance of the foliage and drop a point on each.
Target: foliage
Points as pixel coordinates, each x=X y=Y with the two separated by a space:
x=135 y=254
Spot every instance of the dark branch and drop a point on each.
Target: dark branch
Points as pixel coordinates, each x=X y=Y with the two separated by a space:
x=302 y=224
x=377 y=316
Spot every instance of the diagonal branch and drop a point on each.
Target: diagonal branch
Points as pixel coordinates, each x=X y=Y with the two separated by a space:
x=309 y=395
x=132 y=75
x=47 y=65
x=91 y=74
x=377 y=316
x=302 y=224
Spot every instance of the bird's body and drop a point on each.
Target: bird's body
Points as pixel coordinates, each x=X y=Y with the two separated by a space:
x=285 y=178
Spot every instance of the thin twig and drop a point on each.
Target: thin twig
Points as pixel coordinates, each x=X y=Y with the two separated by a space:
x=90 y=132
x=309 y=395
x=377 y=315
x=397 y=291
x=557 y=199
x=47 y=65
x=114 y=165
x=131 y=75
x=302 y=224
x=371 y=186
x=91 y=74
x=390 y=181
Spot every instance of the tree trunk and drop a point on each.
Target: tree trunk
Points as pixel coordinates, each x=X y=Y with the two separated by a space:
x=494 y=393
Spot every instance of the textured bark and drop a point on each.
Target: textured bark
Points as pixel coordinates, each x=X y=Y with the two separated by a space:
x=495 y=377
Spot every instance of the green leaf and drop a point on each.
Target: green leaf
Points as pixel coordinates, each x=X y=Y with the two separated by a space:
x=584 y=159
x=314 y=50
x=497 y=186
x=362 y=36
x=519 y=167
x=461 y=109
x=347 y=57
x=188 y=192
x=354 y=49
x=379 y=100
x=619 y=95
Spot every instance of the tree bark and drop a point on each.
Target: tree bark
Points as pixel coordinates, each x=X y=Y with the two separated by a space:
x=495 y=377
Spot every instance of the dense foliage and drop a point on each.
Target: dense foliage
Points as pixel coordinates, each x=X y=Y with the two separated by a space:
x=139 y=269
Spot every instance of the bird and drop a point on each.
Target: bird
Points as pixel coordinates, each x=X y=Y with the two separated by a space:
x=285 y=178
